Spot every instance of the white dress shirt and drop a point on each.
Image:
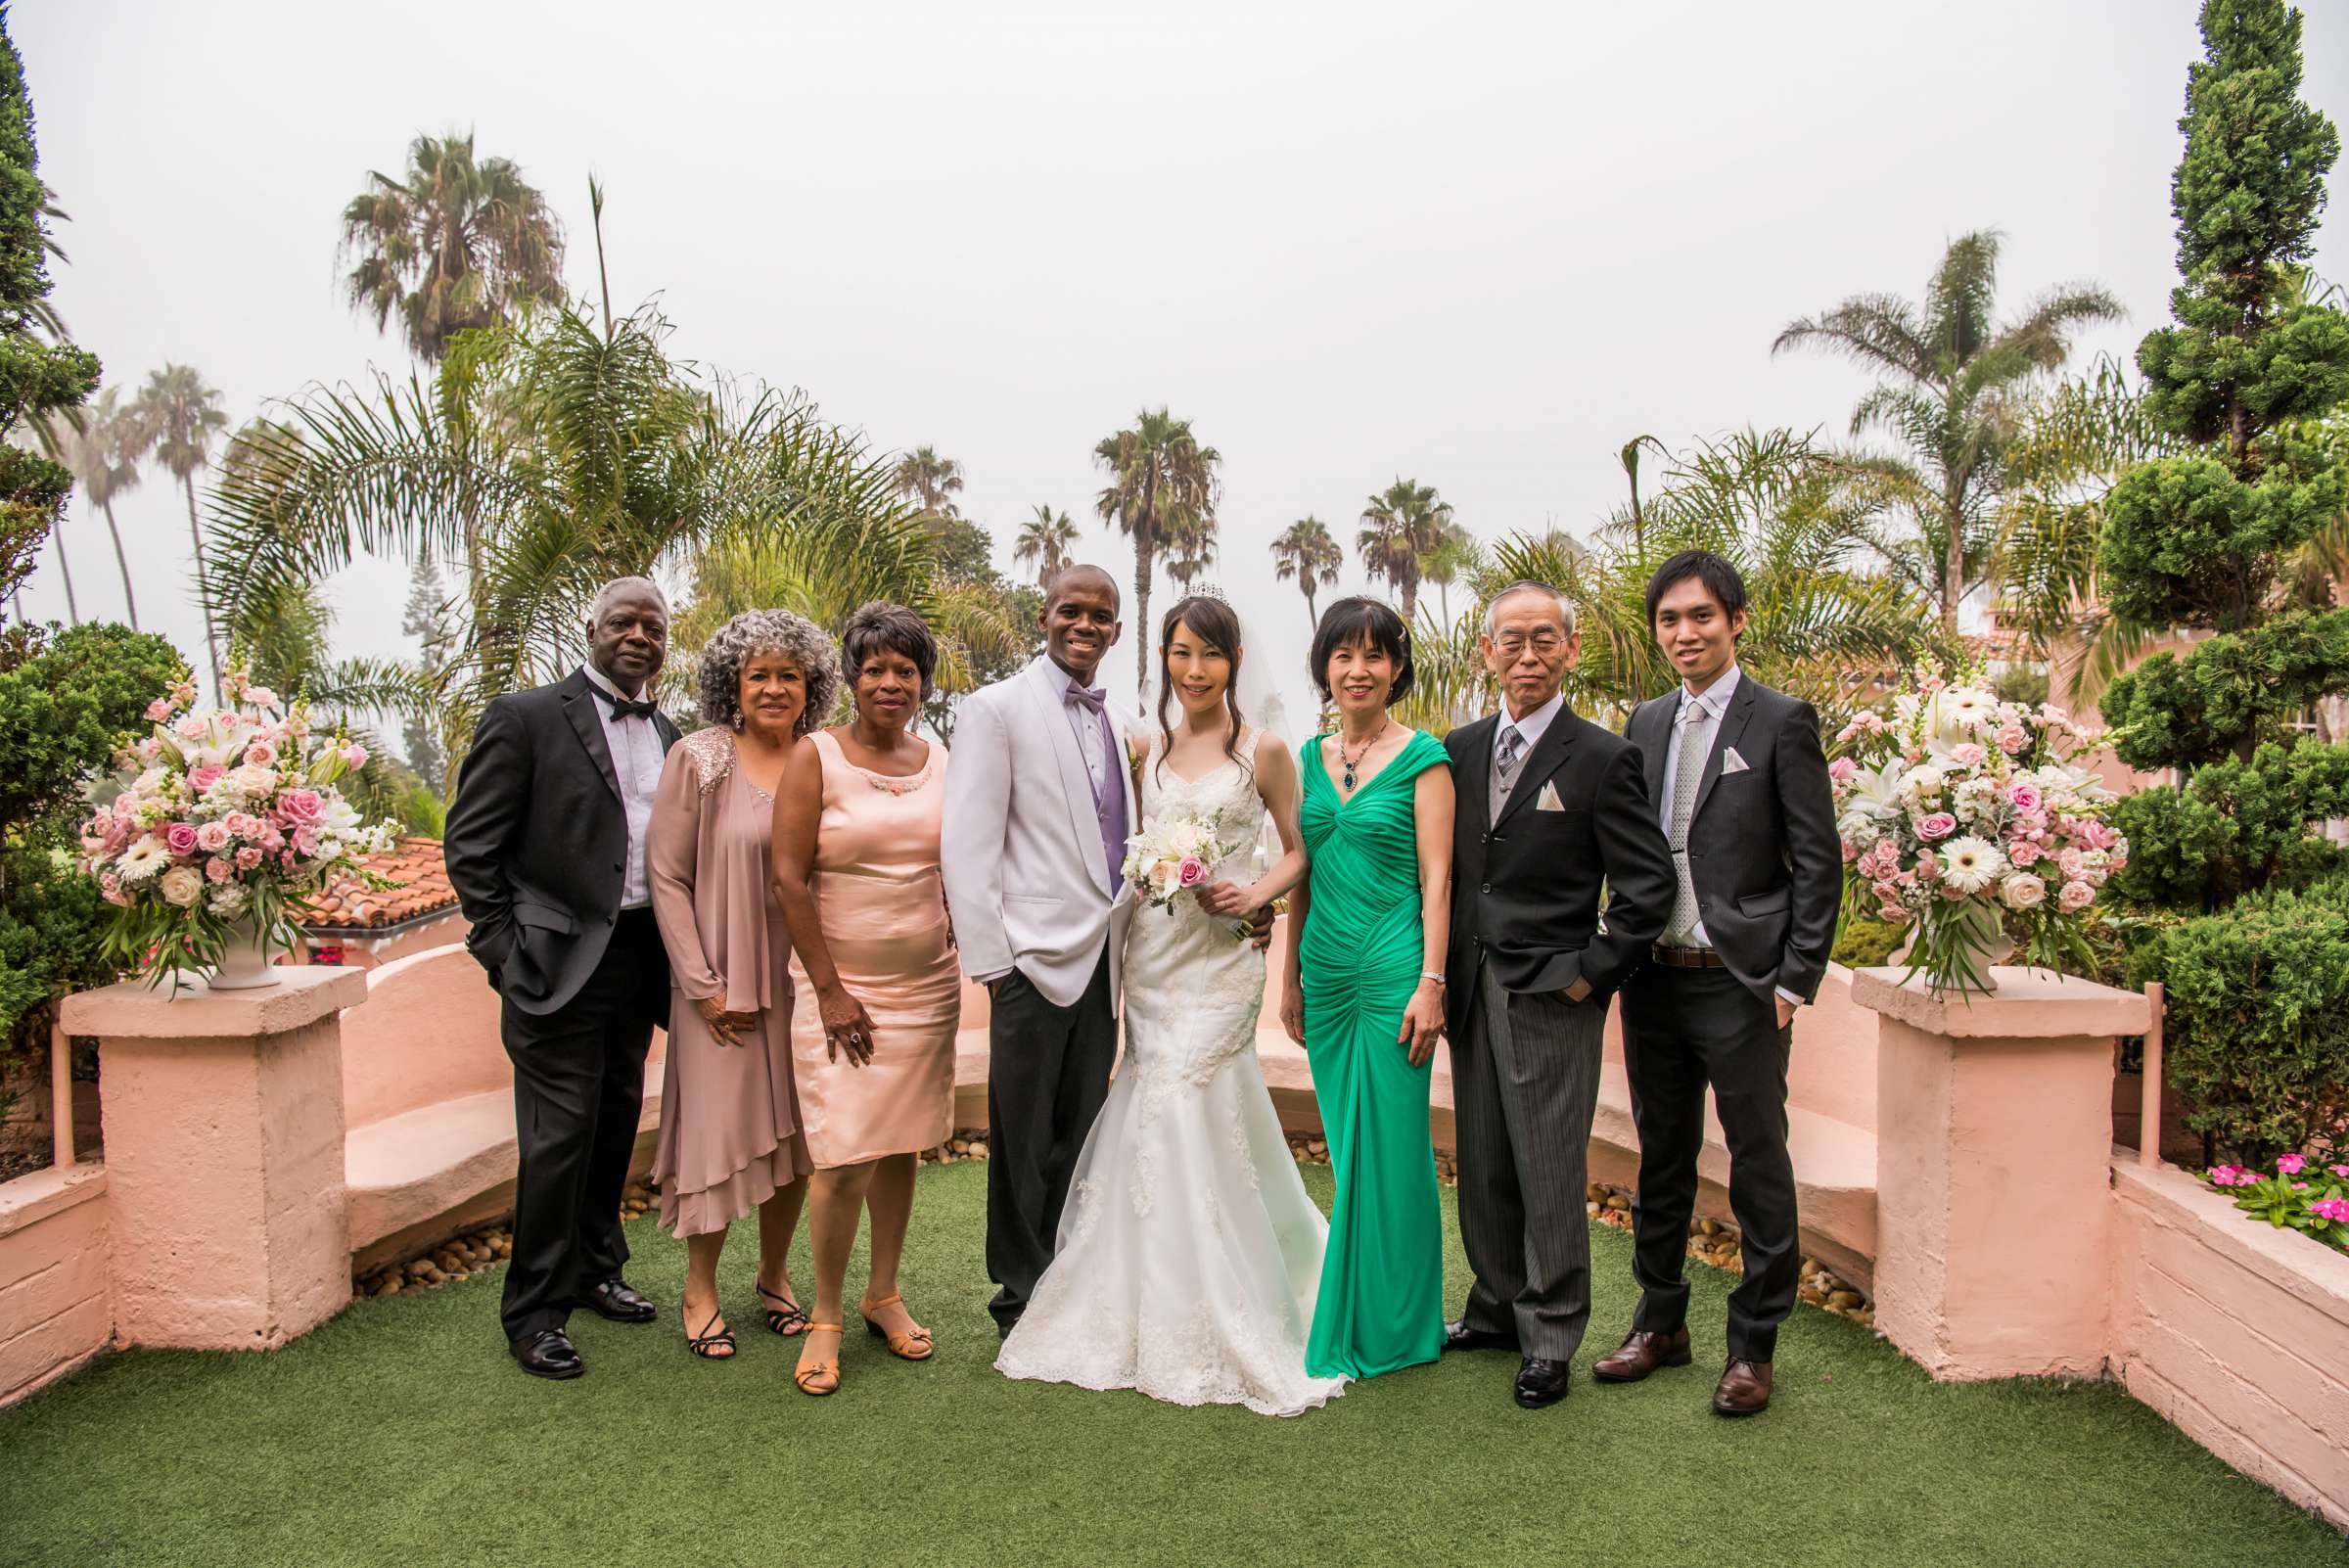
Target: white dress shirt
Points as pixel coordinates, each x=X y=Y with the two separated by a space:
x=1713 y=700
x=1089 y=739
x=636 y=760
x=1533 y=726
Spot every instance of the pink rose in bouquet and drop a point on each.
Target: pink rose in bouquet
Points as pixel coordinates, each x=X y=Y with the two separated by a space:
x=180 y=837
x=2075 y=897
x=1192 y=872
x=261 y=754
x=212 y=836
x=248 y=858
x=299 y=807
x=203 y=778
x=1936 y=825
x=220 y=869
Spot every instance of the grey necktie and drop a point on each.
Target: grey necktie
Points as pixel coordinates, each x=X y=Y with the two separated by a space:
x=1679 y=931
x=1507 y=757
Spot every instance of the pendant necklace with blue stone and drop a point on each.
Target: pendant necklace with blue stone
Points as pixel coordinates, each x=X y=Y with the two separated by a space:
x=1353 y=761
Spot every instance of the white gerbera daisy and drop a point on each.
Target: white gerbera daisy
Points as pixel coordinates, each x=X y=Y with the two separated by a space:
x=144 y=859
x=1969 y=863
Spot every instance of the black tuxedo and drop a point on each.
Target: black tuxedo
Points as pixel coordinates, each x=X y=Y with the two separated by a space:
x=1767 y=868
x=1525 y=1057
x=536 y=848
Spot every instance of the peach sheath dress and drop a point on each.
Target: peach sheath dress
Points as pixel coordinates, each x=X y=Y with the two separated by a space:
x=730 y=1122
x=884 y=915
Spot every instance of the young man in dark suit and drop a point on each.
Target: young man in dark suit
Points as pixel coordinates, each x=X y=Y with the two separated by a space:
x=1740 y=789
x=545 y=846
x=1551 y=808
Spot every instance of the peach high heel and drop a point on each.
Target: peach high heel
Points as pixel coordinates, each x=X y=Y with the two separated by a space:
x=806 y=1373
x=915 y=1346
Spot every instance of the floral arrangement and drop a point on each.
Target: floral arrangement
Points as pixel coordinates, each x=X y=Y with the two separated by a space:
x=1172 y=857
x=2297 y=1196
x=217 y=824
x=1960 y=814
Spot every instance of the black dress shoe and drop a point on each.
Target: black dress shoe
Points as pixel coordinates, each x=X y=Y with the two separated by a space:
x=548 y=1353
x=1459 y=1336
x=1542 y=1383
x=613 y=1299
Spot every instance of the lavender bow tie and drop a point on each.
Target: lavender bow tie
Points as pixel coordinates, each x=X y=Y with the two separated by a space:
x=1095 y=698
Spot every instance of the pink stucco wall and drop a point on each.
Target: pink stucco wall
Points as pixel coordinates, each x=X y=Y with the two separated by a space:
x=57 y=1306
x=2236 y=1332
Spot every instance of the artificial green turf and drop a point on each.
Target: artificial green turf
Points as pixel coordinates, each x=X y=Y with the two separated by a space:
x=399 y=1433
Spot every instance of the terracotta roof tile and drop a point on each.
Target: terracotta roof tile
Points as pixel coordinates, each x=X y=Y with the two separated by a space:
x=347 y=904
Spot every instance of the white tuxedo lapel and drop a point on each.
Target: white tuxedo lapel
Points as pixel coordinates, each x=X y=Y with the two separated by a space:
x=1075 y=783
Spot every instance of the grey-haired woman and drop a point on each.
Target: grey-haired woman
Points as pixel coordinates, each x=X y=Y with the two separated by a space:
x=731 y=1136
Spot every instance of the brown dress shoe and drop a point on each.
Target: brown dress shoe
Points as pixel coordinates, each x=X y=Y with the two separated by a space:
x=1744 y=1388
x=1640 y=1353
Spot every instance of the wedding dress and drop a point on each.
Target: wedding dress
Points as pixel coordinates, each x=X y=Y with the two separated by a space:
x=1189 y=1254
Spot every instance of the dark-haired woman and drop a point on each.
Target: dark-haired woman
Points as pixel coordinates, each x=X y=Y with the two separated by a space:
x=1189 y=1251
x=877 y=992
x=1367 y=933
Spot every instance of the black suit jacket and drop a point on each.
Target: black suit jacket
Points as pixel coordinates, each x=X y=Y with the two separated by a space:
x=537 y=841
x=1763 y=849
x=1525 y=890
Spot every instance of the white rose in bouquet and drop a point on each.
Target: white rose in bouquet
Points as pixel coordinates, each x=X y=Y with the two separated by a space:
x=181 y=885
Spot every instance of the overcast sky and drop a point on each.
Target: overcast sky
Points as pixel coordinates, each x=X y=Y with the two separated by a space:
x=1479 y=246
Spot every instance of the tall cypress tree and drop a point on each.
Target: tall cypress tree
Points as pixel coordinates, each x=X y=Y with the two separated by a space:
x=36 y=377
x=2251 y=911
x=2215 y=539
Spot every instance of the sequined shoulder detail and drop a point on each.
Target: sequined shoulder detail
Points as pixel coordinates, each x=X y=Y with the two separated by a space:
x=713 y=753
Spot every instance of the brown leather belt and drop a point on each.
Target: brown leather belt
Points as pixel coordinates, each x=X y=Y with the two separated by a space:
x=1688 y=957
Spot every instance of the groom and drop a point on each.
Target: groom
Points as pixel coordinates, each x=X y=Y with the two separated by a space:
x=1035 y=835
x=1552 y=808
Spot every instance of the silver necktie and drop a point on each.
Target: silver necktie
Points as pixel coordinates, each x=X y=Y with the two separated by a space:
x=1679 y=931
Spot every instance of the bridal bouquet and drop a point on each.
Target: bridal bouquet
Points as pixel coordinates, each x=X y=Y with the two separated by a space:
x=1170 y=857
x=1962 y=816
x=219 y=822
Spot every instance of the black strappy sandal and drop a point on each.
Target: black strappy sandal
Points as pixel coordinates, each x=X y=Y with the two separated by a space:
x=708 y=1346
x=791 y=1320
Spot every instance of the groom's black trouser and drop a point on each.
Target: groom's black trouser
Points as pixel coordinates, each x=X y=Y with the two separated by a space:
x=1047 y=1073
x=1685 y=1029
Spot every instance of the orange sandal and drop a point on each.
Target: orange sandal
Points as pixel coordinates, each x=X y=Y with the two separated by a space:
x=917 y=1346
x=806 y=1373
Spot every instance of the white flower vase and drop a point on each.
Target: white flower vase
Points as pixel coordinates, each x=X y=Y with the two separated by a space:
x=1984 y=934
x=245 y=962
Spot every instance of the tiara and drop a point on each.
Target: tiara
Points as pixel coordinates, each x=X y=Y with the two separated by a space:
x=1206 y=590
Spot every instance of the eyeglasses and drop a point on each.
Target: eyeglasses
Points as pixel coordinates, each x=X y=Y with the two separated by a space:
x=1513 y=643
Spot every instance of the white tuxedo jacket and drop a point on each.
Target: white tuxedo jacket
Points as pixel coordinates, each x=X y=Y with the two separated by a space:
x=1027 y=877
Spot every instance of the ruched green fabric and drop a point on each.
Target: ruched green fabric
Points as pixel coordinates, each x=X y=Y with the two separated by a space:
x=1381 y=1302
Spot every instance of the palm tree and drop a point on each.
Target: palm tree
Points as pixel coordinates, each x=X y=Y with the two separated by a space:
x=1457 y=557
x=1954 y=386
x=1402 y=526
x=179 y=419
x=458 y=244
x=1306 y=551
x=567 y=455
x=931 y=480
x=1191 y=546
x=101 y=449
x=1161 y=491
x=1046 y=538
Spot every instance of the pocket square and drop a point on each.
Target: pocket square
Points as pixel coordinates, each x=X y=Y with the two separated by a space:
x=1547 y=800
x=1732 y=762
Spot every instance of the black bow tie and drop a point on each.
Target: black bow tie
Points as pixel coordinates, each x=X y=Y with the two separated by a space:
x=622 y=706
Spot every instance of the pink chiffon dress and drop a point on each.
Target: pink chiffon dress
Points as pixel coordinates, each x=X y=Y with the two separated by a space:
x=731 y=1133
x=884 y=915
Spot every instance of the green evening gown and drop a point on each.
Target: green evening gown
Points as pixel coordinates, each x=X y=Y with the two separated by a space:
x=1381 y=1302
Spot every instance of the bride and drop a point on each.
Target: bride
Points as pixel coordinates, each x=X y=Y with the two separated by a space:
x=1189 y=1254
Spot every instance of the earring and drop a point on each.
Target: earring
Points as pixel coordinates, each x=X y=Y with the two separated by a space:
x=738 y=719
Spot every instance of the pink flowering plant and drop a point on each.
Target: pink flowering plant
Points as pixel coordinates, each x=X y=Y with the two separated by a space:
x=1964 y=817
x=2305 y=1193
x=221 y=822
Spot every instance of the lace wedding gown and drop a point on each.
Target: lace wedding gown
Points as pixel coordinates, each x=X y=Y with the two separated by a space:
x=1189 y=1254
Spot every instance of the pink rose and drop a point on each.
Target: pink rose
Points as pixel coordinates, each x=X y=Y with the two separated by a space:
x=2095 y=834
x=190 y=727
x=1968 y=755
x=218 y=868
x=158 y=711
x=2073 y=862
x=180 y=837
x=2022 y=855
x=305 y=842
x=1939 y=825
x=1841 y=769
x=1189 y=874
x=2013 y=741
x=261 y=754
x=203 y=778
x=211 y=838
x=354 y=755
x=269 y=837
x=241 y=824
x=2290 y=1165
x=301 y=805
x=2075 y=897
x=2025 y=799
x=1849 y=853
x=1886 y=892
x=260 y=697
x=248 y=858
